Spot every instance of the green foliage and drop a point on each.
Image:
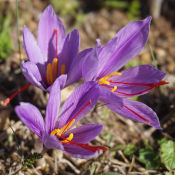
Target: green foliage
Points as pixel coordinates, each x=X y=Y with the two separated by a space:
x=168 y=173
x=5 y=37
x=167 y=150
x=132 y=63
x=92 y=172
x=153 y=57
x=134 y=10
x=65 y=7
x=116 y=4
x=111 y=173
x=106 y=113
x=31 y=159
x=149 y=157
x=130 y=150
x=71 y=7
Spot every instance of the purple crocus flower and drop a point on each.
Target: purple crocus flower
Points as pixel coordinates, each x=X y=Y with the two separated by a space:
x=56 y=132
x=54 y=55
x=102 y=63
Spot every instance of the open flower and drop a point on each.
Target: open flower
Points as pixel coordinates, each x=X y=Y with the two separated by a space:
x=54 y=55
x=101 y=65
x=56 y=132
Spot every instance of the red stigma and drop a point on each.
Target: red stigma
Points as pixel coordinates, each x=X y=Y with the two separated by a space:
x=56 y=33
x=85 y=146
x=150 y=85
x=7 y=100
x=89 y=102
x=138 y=115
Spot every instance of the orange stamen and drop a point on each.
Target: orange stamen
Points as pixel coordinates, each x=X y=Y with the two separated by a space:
x=7 y=100
x=63 y=69
x=54 y=68
x=138 y=115
x=71 y=135
x=49 y=74
x=67 y=126
x=60 y=132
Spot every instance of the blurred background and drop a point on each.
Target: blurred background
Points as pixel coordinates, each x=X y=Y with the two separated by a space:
x=127 y=140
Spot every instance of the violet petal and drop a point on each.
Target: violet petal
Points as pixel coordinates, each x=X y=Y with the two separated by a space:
x=31 y=117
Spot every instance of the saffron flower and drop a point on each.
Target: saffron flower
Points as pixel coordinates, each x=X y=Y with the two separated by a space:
x=54 y=55
x=56 y=132
x=102 y=63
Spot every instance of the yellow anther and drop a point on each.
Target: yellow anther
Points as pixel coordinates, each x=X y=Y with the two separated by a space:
x=55 y=132
x=104 y=80
x=63 y=69
x=49 y=74
x=63 y=129
x=115 y=87
x=54 y=68
x=68 y=139
x=67 y=126
x=110 y=75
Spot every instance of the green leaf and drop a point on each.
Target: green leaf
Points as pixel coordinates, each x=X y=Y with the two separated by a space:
x=149 y=157
x=167 y=149
x=93 y=170
x=167 y=173
x=130 y=150
x=111 y=173
x=6 y=44
x=116 y=4
x=31 y=159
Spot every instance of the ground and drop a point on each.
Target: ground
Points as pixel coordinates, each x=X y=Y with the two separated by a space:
x=17 y=142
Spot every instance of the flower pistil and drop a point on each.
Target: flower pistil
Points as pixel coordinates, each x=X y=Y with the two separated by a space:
x=52 y=68
x=60 y=132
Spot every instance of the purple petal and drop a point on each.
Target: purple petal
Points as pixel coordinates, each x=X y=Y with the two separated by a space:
x=90 y=64
x=106 y=53
x=62 y=81
x=31 y=117
x=85 y=133
x=46 y=35
x=75 y=71
x=137 y=80
x=110 y=100
x=129 y=41
x=77 y=152
x=79 y=103
x=32 y=74
x=139 y=112
x=51 y=142
x=32 y=50
x=53 y=105
x=70 y=49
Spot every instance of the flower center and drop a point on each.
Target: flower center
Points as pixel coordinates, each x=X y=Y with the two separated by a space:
x=68 y=140
x=52 y=68
x=61 y=131
x=105 y=80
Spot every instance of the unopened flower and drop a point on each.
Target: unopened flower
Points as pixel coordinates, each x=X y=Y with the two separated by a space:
x=54 y=55
x=102 y=63
x=56 y=131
